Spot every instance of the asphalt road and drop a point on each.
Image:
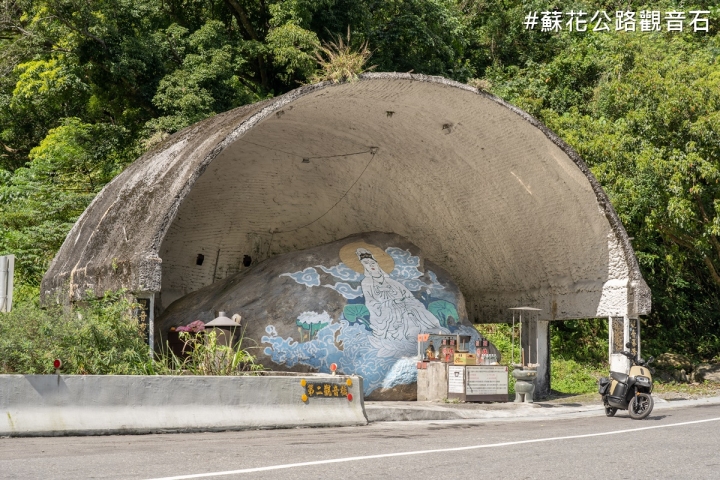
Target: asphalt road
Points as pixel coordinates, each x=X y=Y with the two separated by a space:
x=671 y=443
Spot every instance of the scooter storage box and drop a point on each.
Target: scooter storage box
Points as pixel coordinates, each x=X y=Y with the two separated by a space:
x=620 y=390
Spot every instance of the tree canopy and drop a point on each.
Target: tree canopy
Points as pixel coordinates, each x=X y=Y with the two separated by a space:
x=87 y=87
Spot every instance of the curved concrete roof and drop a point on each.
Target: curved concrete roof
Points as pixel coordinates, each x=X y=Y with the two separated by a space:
x=485 y=190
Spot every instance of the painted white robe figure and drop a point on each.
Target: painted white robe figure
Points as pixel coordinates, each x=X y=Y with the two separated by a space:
x=395 y=314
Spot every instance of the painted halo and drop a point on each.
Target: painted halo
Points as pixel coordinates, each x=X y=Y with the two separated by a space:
x=350 y=258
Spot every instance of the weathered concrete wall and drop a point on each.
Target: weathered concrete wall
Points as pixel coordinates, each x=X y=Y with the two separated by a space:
x=35 y=405
x=308 y=309
x=115 y=242
x=486 y=191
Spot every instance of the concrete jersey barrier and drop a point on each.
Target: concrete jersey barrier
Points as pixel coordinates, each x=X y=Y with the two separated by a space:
x=45 y=405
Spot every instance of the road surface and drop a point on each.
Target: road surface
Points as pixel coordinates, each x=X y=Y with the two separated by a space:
x=671 y=443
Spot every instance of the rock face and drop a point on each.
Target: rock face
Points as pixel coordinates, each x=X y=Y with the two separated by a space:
x=673 y=361
x=673 y=367
x=359 y=302
x=708 y=373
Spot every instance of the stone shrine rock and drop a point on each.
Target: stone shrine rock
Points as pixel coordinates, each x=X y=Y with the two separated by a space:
x=359 y=302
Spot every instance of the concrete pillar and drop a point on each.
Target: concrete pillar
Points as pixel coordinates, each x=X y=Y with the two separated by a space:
x=7 y=267
x=624 y=329
x=535 y=342
x=147 y=307
x=621 y=331
x=634 y=335
x=542 y=383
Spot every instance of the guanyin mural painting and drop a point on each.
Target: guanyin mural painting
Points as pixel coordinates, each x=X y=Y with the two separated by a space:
x=395 y=314
x=388 y=302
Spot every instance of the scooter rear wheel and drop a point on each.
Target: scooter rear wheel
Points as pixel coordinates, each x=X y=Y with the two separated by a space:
x=640 y=406
x=610 y=411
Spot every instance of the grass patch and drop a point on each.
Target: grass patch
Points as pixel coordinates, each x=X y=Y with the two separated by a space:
x=571 y=377
x=705 y=389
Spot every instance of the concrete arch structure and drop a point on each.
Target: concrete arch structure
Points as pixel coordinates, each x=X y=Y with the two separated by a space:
x=485 y=190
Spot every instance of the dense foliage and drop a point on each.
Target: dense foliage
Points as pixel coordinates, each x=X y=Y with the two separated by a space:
x=102 y=337
x=86 y=87
x=644 y=113
x=106 y=337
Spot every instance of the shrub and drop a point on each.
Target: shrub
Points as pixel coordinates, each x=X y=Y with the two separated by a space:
x=101 y=337
x=207 y=356
x=571 y=377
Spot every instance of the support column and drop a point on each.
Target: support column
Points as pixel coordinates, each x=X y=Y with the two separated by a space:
x=528 y=341
x=7 y=268
x=542 y=384
x=623 y=330
x=634 y=335
x=146 y=314
x=535 y=342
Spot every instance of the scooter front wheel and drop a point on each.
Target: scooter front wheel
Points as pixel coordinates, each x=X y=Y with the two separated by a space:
x=640 y=406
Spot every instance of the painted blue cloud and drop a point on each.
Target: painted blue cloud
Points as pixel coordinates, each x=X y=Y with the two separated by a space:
x=438 y=291
x=406 y=265
x=403 y=257
x=346 y=290
x=435 y=284
x=342 y=272
x=411 y=284
x=309 y=277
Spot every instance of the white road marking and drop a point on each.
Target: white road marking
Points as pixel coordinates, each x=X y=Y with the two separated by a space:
x=425 y=452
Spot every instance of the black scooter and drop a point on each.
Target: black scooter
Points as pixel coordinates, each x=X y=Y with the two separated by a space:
x=629 y=392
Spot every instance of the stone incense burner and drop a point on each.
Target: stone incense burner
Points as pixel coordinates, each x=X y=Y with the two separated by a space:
x=524 y=384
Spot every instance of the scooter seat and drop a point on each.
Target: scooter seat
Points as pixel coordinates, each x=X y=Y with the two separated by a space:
x=620 y=377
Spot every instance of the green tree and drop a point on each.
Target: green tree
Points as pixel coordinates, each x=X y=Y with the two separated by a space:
x=643 y=111
x=424 y=36
x=40 y=202
x=86 y=87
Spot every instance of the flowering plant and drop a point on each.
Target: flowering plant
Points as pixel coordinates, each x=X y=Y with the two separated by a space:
x=195 y=327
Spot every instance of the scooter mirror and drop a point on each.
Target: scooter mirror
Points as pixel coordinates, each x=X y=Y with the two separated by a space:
x=628 y=345
x=650 y=360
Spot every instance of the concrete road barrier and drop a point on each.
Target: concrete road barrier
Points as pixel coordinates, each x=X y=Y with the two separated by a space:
x=47 y=405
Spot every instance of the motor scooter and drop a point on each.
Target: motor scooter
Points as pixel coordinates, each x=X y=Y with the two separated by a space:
x=629 y=392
